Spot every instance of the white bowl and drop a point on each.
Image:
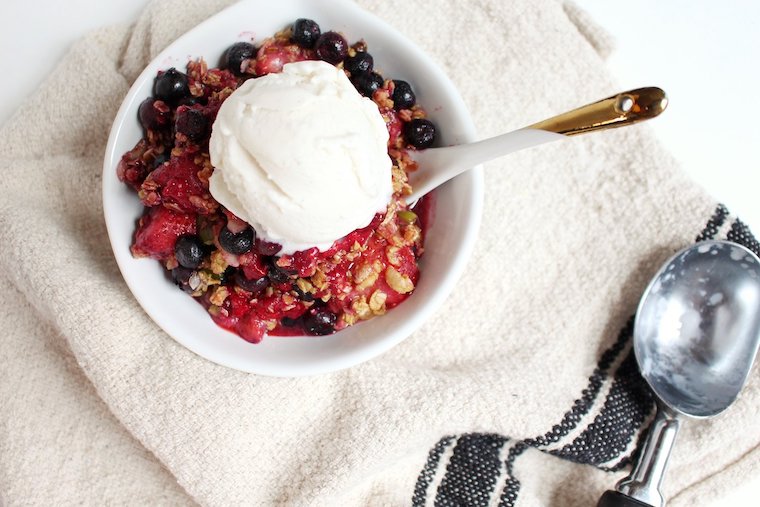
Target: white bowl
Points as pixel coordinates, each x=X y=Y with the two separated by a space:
x=449 y=240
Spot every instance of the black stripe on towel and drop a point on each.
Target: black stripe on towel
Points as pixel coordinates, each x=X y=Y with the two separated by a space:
x=508 y=496
x=625 y=409
x=741 y=234
x=510 y=492
x=582 y=405
x=472 y=471
x=582 y=448
x=713 y=225
x=428 y=471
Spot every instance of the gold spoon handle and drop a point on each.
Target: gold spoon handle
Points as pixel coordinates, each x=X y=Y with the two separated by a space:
x=617 y=111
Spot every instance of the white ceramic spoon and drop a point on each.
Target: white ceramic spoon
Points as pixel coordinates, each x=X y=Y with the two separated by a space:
x=439 y=165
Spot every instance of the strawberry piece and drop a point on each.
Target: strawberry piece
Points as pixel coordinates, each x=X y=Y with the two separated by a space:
x=158 y=230
x=177 y=186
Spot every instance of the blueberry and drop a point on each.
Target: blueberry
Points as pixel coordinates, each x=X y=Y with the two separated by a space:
x=332 y=47
x=403 y=96
x=252 y=286
x=238 y=56
x=305 y=33
x=181 y=277
x=189 y=251
x=420 y=133
x=236 y=244
x=171 y=86
x=367 y=83
x=228 y=273
x=319 y=322
x=359 y=63
x=277 y=275
x=153 y=114
x=190 y=101
x=303 y=296
x=192 y=123
x=289 y=322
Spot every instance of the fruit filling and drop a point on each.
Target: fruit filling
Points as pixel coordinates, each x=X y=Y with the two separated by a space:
x=248 y=284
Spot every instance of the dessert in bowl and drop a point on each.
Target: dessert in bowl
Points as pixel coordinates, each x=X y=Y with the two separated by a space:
x=448 y=238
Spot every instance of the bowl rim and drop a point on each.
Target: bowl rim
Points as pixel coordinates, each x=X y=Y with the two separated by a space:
x=367 y=349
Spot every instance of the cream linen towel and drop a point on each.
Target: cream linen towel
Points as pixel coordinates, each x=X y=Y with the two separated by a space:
x=527 y=363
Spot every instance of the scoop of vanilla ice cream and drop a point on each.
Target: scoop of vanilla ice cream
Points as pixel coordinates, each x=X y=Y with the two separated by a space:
x=301 y=156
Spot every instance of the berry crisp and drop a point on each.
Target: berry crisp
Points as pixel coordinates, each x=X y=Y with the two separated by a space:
x=244 y=282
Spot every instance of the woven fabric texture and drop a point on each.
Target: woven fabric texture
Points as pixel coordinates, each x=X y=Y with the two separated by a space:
x=522 y=389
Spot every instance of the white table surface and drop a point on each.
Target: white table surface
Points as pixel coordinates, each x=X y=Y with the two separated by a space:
x=705 y=54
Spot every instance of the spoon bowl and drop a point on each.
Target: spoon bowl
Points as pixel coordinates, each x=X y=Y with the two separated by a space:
x=696 y=335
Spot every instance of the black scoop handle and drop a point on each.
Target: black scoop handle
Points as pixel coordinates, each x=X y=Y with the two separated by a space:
x=617 y=499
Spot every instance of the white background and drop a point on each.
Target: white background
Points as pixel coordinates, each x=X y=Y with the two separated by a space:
x=704 y=54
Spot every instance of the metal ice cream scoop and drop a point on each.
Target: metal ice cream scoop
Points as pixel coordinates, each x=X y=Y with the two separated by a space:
x=695 y=337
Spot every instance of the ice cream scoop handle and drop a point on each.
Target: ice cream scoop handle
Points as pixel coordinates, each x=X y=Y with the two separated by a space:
x=642 y=487
x=617 y=499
